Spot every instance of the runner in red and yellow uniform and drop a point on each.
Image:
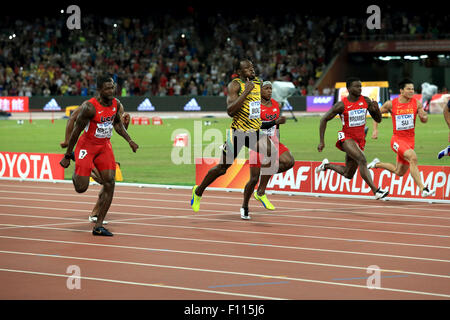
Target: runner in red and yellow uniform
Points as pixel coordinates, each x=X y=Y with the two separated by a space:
x=404 y=111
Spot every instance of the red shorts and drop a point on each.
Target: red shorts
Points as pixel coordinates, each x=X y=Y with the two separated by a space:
x=255 y=158
x=89 y=155
x=342 y=136
x=399 y=145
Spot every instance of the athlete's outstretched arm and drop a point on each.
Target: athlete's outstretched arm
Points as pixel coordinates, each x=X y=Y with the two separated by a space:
x=69 y=127
x=385 y=108
x=422 y=114
x=120 y=129
x=374 y=110
x=338 y=108
x=87 y=112
x=234 y=100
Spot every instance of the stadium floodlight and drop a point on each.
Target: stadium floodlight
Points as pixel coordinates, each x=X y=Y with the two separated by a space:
x=281 y=91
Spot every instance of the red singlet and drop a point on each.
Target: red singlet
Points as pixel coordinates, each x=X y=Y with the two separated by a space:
x=94 y=146
x=353 y=122
x=403 y=123
x=269 y=114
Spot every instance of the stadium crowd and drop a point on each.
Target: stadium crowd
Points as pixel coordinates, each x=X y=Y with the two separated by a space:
x=163 y=55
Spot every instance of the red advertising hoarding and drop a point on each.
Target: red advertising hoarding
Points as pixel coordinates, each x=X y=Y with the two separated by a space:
x=14 y=104
x=31 y=165
x=302 y=178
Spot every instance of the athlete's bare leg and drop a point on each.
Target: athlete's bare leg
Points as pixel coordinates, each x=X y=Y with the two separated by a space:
x=265 y=146
x=251 y=184
x=353 y=152
x=411 y=157
x=95 y=174
x=286 y=162
x=105 y=195
x=348 y=170
x=215 y=172
x=398 y=169
x=81 y=183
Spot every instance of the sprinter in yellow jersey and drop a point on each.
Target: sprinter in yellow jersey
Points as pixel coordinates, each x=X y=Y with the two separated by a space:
x=243 y=105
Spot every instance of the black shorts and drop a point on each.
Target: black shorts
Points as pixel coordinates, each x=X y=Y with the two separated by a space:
x=236 y=140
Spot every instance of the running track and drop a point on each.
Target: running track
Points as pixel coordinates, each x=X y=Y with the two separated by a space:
x=309 y=248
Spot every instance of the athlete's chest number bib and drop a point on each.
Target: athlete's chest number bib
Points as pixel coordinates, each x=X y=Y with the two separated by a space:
x=269 y=132
x=104 y=130
x=254 y=110
x=404 y=121
x=357 y=118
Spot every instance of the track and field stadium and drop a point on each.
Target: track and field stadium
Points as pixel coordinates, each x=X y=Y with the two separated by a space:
x=327 y=239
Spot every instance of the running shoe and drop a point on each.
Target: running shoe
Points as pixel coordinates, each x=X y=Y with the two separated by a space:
x=380 y=194
x=101 y=231
x=94 y=219
x=426 y=192
x=321 y=167
x=244 y=214
x=373 y=163
x=444 y=152
x=195 y=200
x=265 y=202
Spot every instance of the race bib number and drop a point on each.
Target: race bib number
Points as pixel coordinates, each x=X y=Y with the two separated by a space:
x=104 y=130
x=83 y=153
x=255 y=110
x=270 y=132
x=341 y=135
x=395 y=146
x=404 y=121
x=357 y=118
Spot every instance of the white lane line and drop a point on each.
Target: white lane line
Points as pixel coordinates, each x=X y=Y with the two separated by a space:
x=219 y=204
x=226 y=256
x=199 y=216
x=216 y=271
x=127 y=221
x=142 y=284
x=209 y=241
x=188 y=194
x=309 y=210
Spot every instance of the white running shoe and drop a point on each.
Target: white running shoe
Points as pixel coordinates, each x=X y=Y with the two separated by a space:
x=373 y=163
x=244 y=214
x=427 y=192
x=94 y=219
x=380 y=194
x=321 y=167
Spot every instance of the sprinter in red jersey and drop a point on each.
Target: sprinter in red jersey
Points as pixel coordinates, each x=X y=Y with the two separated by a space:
x=270 y=115
x=404 y=110
x=94 y=174
x=98 y=116
x=352 y=137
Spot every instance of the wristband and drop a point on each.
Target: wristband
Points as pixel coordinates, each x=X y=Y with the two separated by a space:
x=70 y=156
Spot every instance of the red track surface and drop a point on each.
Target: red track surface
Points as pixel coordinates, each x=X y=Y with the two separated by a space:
x=309 y=248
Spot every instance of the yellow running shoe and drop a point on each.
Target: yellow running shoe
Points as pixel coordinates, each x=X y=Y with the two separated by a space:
x=266 y=203
x=195 y=201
